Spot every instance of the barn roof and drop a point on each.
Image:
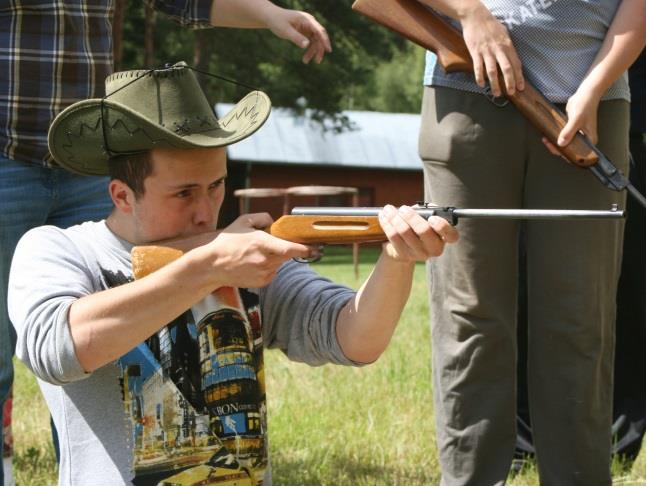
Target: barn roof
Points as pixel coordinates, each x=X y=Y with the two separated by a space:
x=383 y=140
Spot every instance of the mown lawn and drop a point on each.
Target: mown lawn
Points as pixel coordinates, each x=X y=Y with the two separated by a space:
x=328 y=425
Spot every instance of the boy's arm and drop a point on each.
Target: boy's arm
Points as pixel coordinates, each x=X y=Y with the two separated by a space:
x=367 y=322
x=107 y=324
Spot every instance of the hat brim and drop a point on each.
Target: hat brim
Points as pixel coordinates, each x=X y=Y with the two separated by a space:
x=77 y=137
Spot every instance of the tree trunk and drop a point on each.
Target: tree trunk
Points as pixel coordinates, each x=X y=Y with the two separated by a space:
x=149 y=31
x=117 y=33
x=202 y=52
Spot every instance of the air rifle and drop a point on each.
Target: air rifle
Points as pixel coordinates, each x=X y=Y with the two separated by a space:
x=419 y=24
x=343 y=225
x=347 y=225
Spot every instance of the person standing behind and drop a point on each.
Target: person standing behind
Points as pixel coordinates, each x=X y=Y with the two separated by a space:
x=629 y=404
x=57 y=53
x=479 y=154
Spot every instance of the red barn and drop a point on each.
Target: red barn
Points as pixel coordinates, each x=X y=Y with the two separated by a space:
x=378 y=156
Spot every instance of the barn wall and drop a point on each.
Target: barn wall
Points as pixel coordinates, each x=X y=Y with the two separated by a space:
x=377 y=187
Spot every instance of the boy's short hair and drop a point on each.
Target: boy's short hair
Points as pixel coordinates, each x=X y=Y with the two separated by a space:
x=132 y=169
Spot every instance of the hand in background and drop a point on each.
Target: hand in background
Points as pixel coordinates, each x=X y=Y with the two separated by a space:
x=491 y=48
x=303 y=30
x=295 y=26
x=581 y=109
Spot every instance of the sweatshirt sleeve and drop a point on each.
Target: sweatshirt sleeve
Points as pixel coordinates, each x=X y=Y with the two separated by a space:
x=47 y=275
x=299 y=313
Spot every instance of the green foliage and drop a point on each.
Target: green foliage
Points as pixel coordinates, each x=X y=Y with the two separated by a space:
x=369 y=68
x=357 y=426
x=397 y=84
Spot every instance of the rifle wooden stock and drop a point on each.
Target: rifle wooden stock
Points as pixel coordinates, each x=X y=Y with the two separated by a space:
x=412 y=20
x=308 y=230
x=149 y=258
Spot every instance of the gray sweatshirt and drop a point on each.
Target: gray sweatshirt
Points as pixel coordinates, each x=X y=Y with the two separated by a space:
x=189 y=403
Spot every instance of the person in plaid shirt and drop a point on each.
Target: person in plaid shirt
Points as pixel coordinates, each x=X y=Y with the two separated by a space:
x=55 y=53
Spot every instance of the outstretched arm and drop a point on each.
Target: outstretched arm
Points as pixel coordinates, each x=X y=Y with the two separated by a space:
x=298 y=27
x=367 y=322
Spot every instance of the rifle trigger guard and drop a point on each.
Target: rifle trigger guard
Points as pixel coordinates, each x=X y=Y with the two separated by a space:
x=499 y=101
x=312 y=259
x=307 y=260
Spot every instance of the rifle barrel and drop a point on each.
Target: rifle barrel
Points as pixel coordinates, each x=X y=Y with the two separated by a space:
x=427 y=212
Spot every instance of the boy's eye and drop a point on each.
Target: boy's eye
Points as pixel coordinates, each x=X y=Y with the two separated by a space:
x=184 y=193
x=216 y=184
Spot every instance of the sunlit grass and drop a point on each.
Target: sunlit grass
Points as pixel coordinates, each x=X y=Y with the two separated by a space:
x=34 y=460
x=329 y=425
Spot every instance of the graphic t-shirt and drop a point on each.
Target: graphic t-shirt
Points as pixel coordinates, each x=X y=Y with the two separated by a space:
x=195 y=396
x=185 y=407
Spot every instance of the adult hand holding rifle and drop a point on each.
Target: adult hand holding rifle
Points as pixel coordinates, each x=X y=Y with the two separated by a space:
x=494 y=59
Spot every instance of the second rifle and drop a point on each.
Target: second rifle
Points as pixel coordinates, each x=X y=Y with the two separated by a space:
x=415 y=22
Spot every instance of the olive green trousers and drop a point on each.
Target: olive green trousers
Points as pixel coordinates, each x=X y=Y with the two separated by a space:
x=478 y=155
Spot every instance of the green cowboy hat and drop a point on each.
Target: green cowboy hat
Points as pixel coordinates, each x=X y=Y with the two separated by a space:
x=142 y=110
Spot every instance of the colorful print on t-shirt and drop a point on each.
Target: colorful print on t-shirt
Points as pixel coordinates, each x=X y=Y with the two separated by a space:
x=194 y=394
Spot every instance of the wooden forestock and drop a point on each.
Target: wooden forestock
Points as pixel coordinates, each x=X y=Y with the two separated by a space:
x=412 y=20
x=328 y=230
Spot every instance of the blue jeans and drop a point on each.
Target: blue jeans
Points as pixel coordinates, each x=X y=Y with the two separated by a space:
x=31 y=196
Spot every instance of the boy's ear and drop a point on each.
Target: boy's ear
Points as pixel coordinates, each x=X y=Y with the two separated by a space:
x=122 y=196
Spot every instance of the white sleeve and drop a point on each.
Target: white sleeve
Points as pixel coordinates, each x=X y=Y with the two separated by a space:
x=47 y=275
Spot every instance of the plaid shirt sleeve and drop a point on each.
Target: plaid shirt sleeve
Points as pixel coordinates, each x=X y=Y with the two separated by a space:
x=55 y=55
x=194 y=14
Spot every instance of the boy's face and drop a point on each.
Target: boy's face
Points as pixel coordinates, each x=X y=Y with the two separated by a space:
x=182 y=196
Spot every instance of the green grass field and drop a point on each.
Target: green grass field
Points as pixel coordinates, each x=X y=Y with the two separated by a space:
x=328 y=425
